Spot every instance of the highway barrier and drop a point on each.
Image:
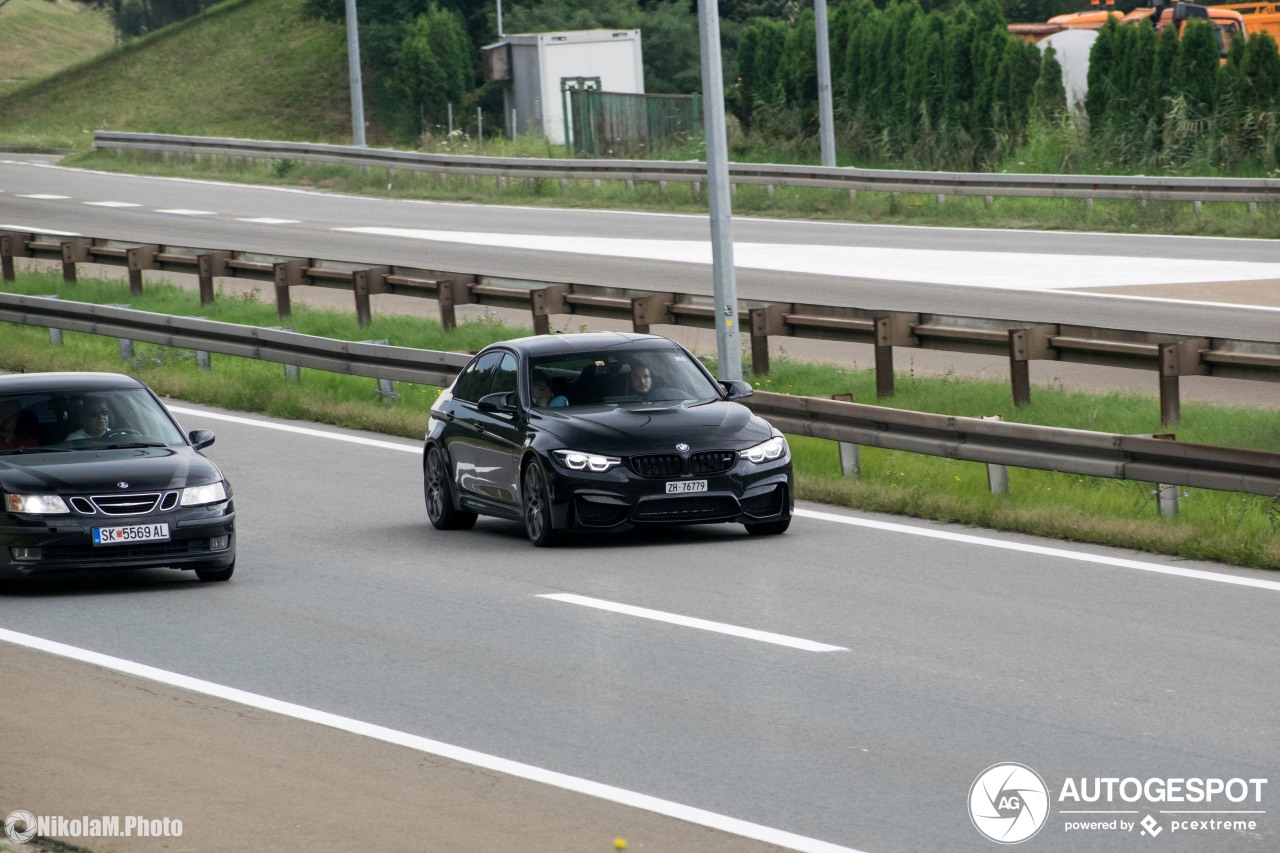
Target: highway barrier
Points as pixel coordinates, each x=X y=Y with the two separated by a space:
x=1142 y=458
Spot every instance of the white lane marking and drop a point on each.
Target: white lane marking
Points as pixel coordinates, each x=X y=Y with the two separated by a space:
x=182 y=211
x=1008 y=270
x=297 y=430
x=45 y=196
x=1041 y=550
x=267 y=220
x=599 y=790
x=34 y=229
x=1061 y=553
x=112 y=204
x=690 y=622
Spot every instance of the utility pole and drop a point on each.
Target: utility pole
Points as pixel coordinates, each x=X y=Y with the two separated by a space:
x=826 y=130
x=353 y=71
x=728 y=343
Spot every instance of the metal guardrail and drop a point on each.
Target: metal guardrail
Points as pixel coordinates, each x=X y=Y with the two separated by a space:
x=1071 y=451
x=939 y=184
x=1170 y=356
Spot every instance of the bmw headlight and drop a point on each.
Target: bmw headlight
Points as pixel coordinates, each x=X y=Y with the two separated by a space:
x=36 y=504
x=207 y=494
x=770 y=451
x=576 y=461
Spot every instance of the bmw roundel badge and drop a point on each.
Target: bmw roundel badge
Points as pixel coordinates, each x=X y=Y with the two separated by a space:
x=682 y=447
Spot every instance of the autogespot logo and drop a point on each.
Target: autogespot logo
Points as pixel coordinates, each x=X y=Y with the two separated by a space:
x=1008 y=803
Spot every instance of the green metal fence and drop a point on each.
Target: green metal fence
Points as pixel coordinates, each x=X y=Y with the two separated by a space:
x=612 y=124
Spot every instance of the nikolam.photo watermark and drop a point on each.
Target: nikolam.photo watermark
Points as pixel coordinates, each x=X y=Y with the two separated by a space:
x=1009 y=803
x=22 y=826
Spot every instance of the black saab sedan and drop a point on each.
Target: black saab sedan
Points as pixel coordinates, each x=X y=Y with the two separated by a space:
x=601 y=432
x=96 y=474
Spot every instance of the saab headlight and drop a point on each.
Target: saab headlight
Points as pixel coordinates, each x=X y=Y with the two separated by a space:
x=36 y=504
x=770 y=451
x=200 y=495
x=576 y=461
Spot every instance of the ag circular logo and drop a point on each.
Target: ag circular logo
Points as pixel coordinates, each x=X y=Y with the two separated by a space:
x=1008 y=803
x=22 y=818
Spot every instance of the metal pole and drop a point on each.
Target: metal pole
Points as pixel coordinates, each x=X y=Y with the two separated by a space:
x=353 y=71
x=728 y=345
x=500 y=33
x=826 y=131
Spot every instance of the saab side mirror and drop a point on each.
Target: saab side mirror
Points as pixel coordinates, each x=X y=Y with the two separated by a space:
x=200 y=438
x=736 y=389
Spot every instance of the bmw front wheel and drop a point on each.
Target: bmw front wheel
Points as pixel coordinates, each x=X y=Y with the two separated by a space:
x=439 y=495
x=536 y=501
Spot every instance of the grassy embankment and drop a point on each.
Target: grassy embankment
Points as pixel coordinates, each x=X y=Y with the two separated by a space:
x=42 y=37
x=1232 y=528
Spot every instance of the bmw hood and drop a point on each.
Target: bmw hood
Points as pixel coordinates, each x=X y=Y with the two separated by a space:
x=644 y=429
x=131 y=469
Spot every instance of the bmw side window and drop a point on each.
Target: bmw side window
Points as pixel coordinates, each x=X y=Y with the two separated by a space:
x=504 y=376
x=474 y=382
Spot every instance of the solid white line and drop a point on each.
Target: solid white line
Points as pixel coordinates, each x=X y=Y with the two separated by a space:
x=690 y=622
x=910 y=530
x=297 y=430
x=601 y=791
x=1040 y=550
x=33 y=229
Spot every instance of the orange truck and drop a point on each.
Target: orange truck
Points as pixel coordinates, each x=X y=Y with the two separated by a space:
x=1228 y=23
x=1258 y=17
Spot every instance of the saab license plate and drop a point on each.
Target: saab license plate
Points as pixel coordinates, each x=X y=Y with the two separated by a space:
x=133 y=533
x=684 y=487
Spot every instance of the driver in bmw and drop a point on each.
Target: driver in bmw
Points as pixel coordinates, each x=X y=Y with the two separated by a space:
x=95 y=418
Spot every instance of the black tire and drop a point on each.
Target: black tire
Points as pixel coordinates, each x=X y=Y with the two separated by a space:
x=536 y=500
x=770 y=528
x=215 y=575
x=439 y=496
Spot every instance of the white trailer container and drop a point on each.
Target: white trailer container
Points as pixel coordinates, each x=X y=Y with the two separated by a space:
x=536 y=68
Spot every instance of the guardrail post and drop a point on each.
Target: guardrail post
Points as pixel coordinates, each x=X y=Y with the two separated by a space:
x=140 y=258
x=364 y=283
x=850 y=454
x=74 y=251
x=1024 y=346
x=386 y=387
x=766 y=321
x=13 y=246
x=451 y=292
x=210 y=265
x=545 y=302
x=126 y=345
x=651 y=310
x=1177 y=358
x=204 y=361
x=891 y=330
x=997 y=475
x=287 y=274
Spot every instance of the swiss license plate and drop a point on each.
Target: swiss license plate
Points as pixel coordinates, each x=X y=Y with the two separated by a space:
x=684 y=487
x=132 y=533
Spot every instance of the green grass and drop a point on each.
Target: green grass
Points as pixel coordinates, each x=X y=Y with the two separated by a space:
x=244 y=68
x=42 y=37
x=1226 y=527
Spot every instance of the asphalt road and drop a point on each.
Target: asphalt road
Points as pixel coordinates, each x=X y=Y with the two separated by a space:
x=962 y=649
x=808 y=262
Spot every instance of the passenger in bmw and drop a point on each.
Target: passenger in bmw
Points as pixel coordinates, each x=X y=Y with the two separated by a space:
x=95 y=418
x=543 y=396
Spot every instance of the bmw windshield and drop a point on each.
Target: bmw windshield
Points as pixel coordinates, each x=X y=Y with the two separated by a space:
x=631 y=378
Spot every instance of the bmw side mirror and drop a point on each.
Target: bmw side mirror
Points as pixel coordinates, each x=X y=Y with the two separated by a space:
x=501 y=402
x=736 y=388
x=200 y=438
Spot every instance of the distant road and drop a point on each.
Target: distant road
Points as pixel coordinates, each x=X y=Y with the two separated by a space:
x=1178 y=285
